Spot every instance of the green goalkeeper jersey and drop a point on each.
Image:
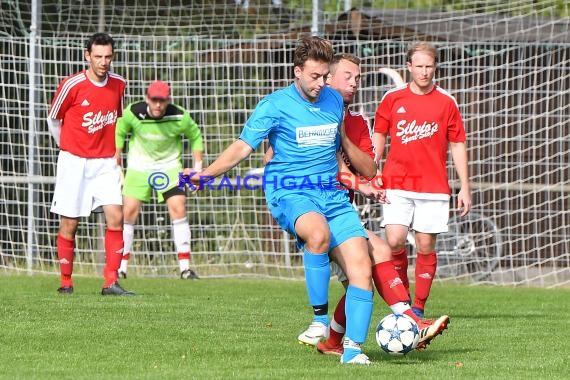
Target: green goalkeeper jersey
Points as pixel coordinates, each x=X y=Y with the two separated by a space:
x=156 y=144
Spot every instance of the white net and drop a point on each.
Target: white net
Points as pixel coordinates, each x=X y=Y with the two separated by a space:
x=505 y=62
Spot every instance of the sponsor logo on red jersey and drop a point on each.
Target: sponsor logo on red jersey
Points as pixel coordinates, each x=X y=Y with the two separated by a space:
x=97 y=121
x=413 y=131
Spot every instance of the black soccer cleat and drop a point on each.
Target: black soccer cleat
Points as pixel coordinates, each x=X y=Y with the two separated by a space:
x=122 y=274
x=116 y=290
x=65 y=290
x=189 y=274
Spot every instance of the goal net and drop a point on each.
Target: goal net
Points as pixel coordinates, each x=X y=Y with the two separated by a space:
x=506 y=63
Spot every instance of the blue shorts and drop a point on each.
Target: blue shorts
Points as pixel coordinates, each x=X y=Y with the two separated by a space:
x=344 y=223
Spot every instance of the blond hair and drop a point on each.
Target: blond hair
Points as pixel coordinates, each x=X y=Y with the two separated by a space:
x=424 y=47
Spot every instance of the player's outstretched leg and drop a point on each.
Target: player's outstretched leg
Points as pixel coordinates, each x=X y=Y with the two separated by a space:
x=392 y=290
x=429 y=329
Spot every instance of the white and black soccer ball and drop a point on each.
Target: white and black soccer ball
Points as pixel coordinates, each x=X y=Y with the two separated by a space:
x=397 y=334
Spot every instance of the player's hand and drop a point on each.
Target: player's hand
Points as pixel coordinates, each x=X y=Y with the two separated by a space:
x=382 y=198
x=377 y=182
x=373 y=193
x=464 y=202
x=268 y=155
x=192 y=179
x=118 y=157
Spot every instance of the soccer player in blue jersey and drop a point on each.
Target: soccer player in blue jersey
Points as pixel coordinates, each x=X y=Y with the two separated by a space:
x=302 y=123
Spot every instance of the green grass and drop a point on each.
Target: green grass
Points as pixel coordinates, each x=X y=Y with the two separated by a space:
x=247 y=329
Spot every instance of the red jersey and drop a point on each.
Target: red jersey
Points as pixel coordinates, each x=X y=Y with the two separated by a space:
x=356 y=129
x=420 y=129
x=88 y=113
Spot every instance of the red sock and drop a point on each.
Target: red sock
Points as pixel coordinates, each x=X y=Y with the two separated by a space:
x=400 y=260
x=65 y=253
x=113 y=255
x=426 y=265
x=339 y=317
x=388 y=283
x=126 y=256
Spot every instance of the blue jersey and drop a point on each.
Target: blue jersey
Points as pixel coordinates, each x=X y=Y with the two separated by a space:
x=304 y=136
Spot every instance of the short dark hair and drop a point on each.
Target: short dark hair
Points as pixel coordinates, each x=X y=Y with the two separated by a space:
x=340 y=56
x=99 y=39
x=314 y=48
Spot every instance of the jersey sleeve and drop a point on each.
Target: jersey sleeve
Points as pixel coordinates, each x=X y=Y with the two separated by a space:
x=365 y=142
x=62 y=101
x=193 y=133
x=456 y=128
x=124 y=126
x=382 y=116
x=259 y=124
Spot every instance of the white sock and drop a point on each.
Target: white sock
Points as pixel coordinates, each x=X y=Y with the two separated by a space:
x=181 y=234
x=184 y=264
x=337 y=327
x=124 y=265
x=128 y=236
x=400 y=307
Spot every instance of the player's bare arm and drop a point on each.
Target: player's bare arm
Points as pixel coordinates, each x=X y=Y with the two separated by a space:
x=460 y=161
x=197 y=160
x=379 y=143
x=361 y=162
x=118 y=156
x=268 y=155
x=358 y=183
x=228 y=159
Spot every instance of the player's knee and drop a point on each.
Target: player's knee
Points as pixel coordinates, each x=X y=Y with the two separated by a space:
x=378 y=249
x=360 y=275
x=380 y=253
x=396 y=243
x=318 y=240
x=113 y=216
x=68 y=228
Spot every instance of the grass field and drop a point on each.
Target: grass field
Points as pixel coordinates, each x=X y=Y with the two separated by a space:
x=247 y=329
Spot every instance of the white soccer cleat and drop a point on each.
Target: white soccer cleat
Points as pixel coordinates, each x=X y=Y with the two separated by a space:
x=358 y=359
x=312 y=335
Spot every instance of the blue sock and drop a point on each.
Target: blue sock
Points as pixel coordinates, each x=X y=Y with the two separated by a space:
x=358 y=309
x=317 y=277
x=324 y=319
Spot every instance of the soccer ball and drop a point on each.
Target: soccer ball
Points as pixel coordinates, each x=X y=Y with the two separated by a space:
x=397 y=334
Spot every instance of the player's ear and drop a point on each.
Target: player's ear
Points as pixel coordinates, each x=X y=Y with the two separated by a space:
x=86 y=55
x=297 y=71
